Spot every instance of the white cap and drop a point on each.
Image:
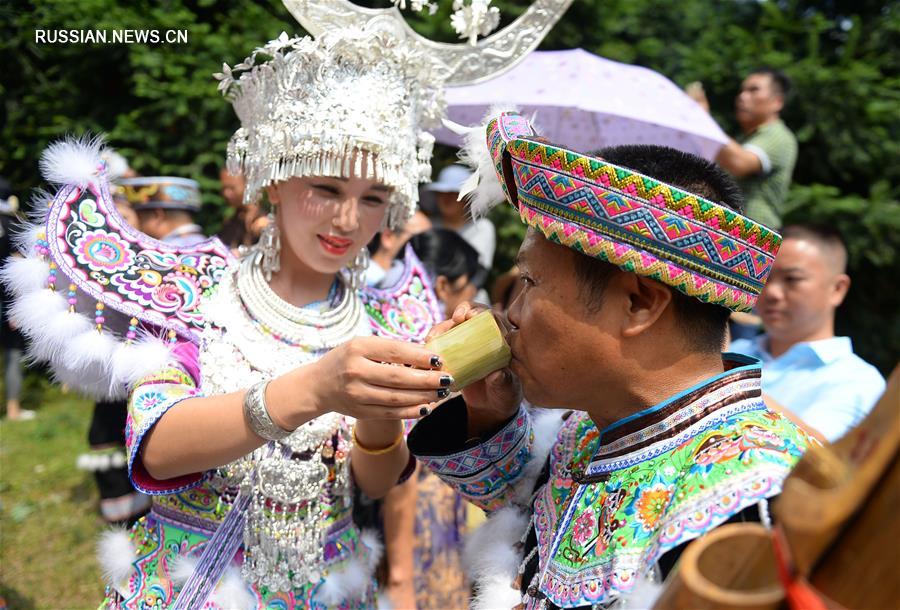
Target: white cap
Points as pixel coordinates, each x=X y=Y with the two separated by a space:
x=451 y=179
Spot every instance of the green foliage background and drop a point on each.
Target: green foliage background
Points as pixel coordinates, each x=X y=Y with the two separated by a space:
x=159 y=106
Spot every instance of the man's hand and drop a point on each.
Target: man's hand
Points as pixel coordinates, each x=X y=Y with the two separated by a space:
x=495 y=399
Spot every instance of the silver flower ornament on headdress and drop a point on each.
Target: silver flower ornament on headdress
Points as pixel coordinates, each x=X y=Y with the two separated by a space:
x=353 y=102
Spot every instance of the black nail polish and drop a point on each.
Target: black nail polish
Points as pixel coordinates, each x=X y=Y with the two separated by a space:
x=423 y=411
x=436 y=362
x=443 y=393
x=446 y=380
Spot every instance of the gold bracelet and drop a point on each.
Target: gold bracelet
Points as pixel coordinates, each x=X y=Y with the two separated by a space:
x=387 y=449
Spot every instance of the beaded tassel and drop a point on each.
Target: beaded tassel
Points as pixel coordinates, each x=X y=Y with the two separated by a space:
x=98 y=316
x=51 y=278
x=132 y=331
x=41 y=246
x=71 y=299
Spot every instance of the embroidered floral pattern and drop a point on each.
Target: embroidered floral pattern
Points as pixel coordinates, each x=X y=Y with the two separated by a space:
x=651 y=504
x=583 y=530
x=129 y=273
x=598 y=529
x=102 y=251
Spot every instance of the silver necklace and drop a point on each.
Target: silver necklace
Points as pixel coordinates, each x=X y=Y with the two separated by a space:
x=315 y=330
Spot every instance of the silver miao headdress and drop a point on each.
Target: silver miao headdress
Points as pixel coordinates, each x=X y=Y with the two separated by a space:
x=357 y=100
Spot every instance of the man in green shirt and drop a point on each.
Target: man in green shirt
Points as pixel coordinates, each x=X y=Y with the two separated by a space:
x=763 y=157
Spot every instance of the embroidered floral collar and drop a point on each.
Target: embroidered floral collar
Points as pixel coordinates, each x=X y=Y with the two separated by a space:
x=654 y=481
x=664 y=426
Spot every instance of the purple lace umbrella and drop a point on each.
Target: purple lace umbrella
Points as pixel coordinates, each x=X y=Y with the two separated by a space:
x=586 y=102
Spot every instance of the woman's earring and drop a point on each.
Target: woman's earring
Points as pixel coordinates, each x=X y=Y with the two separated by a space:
x=358 y=269
x=270 y=245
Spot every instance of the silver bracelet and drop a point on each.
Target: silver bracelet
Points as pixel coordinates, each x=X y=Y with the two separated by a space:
x=257 y=414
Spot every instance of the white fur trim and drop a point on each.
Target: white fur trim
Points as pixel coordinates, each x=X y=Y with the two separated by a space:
x=33 y=312
x=475 y=154
x=117 y=460
x=100 y=462
x=490 y=554
x=375 y=547
x=55 y=336
x=181 y=568
x=131 y=363
x=74 y=161
x=545 y=425
x=90 y=347
x=23 y=275
x=85 y=461
x=345 y=584
x=115 y=554
x=116 y=165
x=495 y=593
x=27 y=235
x=91 y=381
x=489 y=550
x=232 y=592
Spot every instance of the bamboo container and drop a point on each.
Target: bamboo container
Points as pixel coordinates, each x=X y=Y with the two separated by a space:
x=837 y=518
x=730 y=568
x=472 y=350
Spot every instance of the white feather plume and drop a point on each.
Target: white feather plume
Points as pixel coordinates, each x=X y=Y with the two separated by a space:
x=545 y=425
x=232 y=592
x=64 y=326
x=91 y=380
x=32 y=312
x=490 y=550
x=181 y=568
x=74 y=161
x=484 y=191
x=91 y=347
x=23 y=275
x=131 y=363
x=26 y=235
x=490 y=554
x=495 y=593
x=85 y=461
x=115 y=554
x=375 y=547
x=348 y=583
x=117 y=460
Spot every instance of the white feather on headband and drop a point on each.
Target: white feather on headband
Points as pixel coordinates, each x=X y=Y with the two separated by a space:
x=482 y=190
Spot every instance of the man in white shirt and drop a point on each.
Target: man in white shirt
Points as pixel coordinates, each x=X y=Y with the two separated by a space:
x=806 y=368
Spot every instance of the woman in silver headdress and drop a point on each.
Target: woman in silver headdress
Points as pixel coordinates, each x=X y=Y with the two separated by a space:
x=280 y=382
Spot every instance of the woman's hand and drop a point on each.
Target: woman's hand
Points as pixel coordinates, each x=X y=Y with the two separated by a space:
x=493 y=400
x=376 y=378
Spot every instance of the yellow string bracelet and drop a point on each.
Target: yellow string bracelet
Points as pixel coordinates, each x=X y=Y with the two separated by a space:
x=382 y=451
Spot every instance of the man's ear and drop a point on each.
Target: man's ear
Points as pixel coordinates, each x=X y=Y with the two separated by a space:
x=779 y=102
x=840 y=288
x=647 y=300
x=441 y=287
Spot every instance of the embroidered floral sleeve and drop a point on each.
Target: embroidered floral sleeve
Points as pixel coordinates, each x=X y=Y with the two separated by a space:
x=151 y=398
x=486 y=473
